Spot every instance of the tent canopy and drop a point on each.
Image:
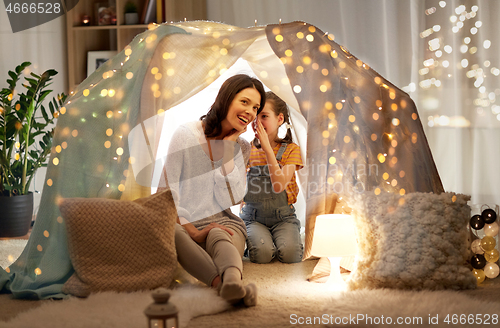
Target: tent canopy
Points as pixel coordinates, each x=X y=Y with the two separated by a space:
x=357 y=131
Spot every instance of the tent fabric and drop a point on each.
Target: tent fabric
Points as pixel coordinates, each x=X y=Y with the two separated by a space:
x=364 y=134
x=107 y=136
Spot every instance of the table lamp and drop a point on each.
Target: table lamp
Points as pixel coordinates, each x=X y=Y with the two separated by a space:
x=334 y=237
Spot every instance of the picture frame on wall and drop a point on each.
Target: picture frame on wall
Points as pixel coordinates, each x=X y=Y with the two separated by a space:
x=96 y=58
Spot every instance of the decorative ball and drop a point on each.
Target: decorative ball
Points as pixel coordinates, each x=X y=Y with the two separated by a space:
x=476 y=222
x=492 y=256
x=488 y=243
x=491 y=229
x=489 y=215
x=479 y=274
x=476 y=247
x=478 y=261
x=491 y=270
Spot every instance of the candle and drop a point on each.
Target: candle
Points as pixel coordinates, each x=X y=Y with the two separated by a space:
x=85 y=20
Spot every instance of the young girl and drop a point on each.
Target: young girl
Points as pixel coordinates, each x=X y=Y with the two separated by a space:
x=206 y=170
x=268 y=211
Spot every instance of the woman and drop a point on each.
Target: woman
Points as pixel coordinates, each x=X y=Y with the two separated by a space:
x=206 y=172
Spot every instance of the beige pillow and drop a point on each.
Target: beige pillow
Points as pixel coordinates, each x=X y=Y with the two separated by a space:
x=415 y=241
x=120 y=245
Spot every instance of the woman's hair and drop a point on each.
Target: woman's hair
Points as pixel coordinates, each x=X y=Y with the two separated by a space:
x=279 y=107
x=229 y=89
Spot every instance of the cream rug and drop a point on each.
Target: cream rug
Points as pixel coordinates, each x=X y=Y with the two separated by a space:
x=10 y=250
x=286 y=299
x=384 y=307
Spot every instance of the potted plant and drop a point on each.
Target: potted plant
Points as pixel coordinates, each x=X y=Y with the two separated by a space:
x=26 y=129
x=131 y=15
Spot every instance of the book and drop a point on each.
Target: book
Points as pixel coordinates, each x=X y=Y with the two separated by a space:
x=144 y=10
x=159 y=11
x=150 y=12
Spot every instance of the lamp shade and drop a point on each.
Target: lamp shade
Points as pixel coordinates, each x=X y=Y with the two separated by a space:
x=334 y=236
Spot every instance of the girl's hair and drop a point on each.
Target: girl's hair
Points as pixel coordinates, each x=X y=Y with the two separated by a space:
x=279 y=107
x=229 y=89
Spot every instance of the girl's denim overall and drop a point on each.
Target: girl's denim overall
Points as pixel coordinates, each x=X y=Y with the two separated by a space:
x=272 y=225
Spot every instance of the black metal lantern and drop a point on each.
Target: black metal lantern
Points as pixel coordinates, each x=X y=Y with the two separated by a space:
x=161 y=313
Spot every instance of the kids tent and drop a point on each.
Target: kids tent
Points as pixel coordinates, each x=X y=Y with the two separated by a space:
x=357 y=131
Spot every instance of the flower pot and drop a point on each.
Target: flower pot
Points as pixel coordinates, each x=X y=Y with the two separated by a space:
x=131 y=18
x=16 y=215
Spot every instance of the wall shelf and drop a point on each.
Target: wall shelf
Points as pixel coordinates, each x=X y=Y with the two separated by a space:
x=82 y=39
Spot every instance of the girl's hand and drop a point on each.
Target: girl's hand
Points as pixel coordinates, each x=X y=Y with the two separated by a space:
x=261 y=134
x=235 y=134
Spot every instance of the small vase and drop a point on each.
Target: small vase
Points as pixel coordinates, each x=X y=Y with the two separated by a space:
x=131 y=18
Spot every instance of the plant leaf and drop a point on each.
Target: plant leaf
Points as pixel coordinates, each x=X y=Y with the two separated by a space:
x=21 y=67
x=43 y=95
x=13 y=75
x=51 y=106
x=31 y=81
x=44 y=113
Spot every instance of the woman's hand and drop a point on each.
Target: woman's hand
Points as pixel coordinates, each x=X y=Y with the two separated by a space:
x=200 y=236
x=234 y=134
x=228 y=155
x=261 y=134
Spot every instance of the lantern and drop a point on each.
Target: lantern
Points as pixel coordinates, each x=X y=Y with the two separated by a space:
x=161 y=313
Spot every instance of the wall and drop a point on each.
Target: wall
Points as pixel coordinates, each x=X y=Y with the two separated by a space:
x=45 y=47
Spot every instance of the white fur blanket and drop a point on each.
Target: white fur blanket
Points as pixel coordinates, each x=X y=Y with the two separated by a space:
x=109 y=309
x=117 y=310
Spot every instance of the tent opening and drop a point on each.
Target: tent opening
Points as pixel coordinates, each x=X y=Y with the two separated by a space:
x=196 y=106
